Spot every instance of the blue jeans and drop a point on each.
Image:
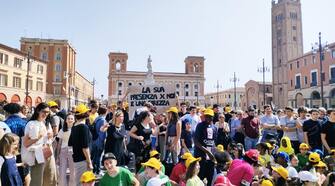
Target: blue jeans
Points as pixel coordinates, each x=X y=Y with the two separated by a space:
x=250 y=143
x=96 y=156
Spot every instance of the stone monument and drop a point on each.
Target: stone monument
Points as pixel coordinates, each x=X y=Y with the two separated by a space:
x=150 y=76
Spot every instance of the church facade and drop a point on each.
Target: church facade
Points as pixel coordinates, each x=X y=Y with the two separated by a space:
x=189 y=85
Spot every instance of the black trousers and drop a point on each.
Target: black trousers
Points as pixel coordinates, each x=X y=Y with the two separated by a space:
x=206 y=171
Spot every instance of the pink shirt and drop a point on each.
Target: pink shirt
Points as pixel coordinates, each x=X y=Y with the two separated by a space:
x=240 y=170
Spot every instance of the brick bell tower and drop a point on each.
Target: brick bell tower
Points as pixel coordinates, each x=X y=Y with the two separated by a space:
x=117 y=65
x=287 y=44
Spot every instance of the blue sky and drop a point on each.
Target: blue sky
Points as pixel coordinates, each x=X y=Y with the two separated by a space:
x=233 y=35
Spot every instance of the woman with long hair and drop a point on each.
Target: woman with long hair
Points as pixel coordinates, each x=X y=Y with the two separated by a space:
x=162 y=134
x=80 y=140
x=173 y=135
x=36 y=137
x=116 y=134
x=140 y=142
x=193 y=169
x=65 y=159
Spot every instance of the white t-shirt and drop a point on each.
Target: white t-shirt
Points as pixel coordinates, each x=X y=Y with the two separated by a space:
x=156 y=181
x=292 y=172
x=65 y=137
x=32 y=130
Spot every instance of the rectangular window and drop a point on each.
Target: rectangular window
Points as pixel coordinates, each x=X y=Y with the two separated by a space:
x=297 y=64
x=333 y=54
x=332 y=75
x=196 y=86
x=305 y=62
x=291 y=66
x=305 y=80
x=313 y=59
x=297 y=82
x=39 y=69
x=30 y=84
x=293 y=15
x=6 y=59
x=16 y=82
x=17 y=62
x=44 y=56
x=120 y=92
x=314 y=78
x=294 y=27
x=291 y=83
x=186 y=93
x=195 y=93
x=294 y=38
x=39 y=86
x=1 y=58
x=58 y=67
x=58 y=56
x=3 y=80
x=57 y=90
x=57 y=78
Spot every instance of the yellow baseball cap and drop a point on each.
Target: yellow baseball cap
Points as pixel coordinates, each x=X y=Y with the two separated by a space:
x=173 y=109
x=281 y=171
x=314 y=157
x=153 y=153
x=266 y=182
x=154 y=163
x=320 y=164
x=209 y=112
x=303 y=146
x=186 y=155
x=87 y=176
x=269 y=145
x=82 y=109
x=220 y=148
x=191 y=160
x=52 y=104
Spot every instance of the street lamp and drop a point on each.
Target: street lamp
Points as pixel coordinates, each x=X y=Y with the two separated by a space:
x=234 y=79
x=27 y=78
x=262 y=70
x=93 y=84
x=321 y=48
x=67 y=76
x=217 y=86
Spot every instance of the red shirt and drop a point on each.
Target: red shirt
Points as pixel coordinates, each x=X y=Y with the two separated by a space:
x=177 y=171
x=251 y=126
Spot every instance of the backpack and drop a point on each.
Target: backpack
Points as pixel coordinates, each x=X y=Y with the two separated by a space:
x=92 y=129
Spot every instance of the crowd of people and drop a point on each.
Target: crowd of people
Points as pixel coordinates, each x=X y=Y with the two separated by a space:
x=186 y=145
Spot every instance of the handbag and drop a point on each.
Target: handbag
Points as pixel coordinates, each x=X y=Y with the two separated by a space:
x=47 y=152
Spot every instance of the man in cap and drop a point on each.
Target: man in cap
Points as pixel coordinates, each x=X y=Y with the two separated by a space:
x=204 y=140
x=55 y=120
x=116 y=175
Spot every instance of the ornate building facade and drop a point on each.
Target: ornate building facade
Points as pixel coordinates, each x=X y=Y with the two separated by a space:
x=189 y=85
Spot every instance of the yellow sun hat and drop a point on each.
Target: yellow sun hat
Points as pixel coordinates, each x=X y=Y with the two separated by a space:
x=154 y=163
x=191 y=160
